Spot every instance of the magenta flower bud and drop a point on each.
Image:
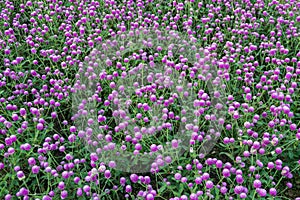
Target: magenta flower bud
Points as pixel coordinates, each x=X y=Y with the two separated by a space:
x=226 y=173
x=40 y=126
x=7 y=51
x=31 y=161
x=46 y=197
x=128 y=188
x=262 y=192
x=65 y=174
x=278 y=150
x=107 y=174
x=22 y=111
x=243 y=195
x=273 y=192
x=293 y=127
x=219 y=164
x=193 y=196
x=112 y=85
x=53 y=115
x=223 y=190
x=174 y=144
x=86 y=188
x=64 y=194
x=79 y=192
x=72 y=129
x=61 y=185
x=205 y=176
x=183 y=179
x=134 y=178
x=239 y=179
x=90 y=43
x=257 y=183
x=289 y=185
x=122 y=181
x=10 y=150
x=150 y=197
x=76 y=180
x=188 y=167
x=27 y=147
x=248 y=96
x=298 y=136
x=24 y=191
x=209 y=184
x=1 y=165
x=112 y=164
x=8 y=197
x=226 y=140
x=256 y=145
x=35 y=169
x=198 y=180
x=153 y=148
x=271 y=165
x=20 y=175
x=177 y=176
x=15 y=117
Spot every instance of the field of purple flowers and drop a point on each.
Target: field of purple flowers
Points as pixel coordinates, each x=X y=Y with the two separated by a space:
x=149 y=99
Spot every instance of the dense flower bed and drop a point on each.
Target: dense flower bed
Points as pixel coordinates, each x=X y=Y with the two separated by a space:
x=149 y=99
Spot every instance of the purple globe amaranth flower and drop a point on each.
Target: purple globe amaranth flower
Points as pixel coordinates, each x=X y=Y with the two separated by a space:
x=64 y=194
x=1 y=165
x=15 y=117
x=65 y=174
x=223 y=190
x=209 y=184
x=273 y=192
x=205 y=176
x=24 y=192
x=76 y=180
x=128 y=189
x=86 y=188
x=107 y=174
x=270 y=165
x=257 y=183
x=238 y=189
x=226 y=173
x=134 y=178
x=73 y=129
x=262 y=192
x=278 y=150
x=79 y=192
x=293 y=127
x=150 y=197
x=183 y=179
x=61 y=185
x=239 y=179
x=31 y=161
x=174 y=143
x=20 y=175
x=243 y=195
x=198 y=180
x=177 y=176
x=40 y=126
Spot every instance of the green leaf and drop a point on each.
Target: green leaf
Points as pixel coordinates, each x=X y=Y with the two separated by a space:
x=161 y=189
x=228 y=155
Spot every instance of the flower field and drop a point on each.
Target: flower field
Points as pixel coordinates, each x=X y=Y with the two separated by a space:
x=149 y=99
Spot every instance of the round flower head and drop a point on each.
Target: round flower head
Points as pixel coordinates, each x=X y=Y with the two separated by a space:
x=273 y=192
x=209 y=184
x=257 y=183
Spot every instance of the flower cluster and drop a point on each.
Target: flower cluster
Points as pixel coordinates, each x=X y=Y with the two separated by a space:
x=52 y=50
